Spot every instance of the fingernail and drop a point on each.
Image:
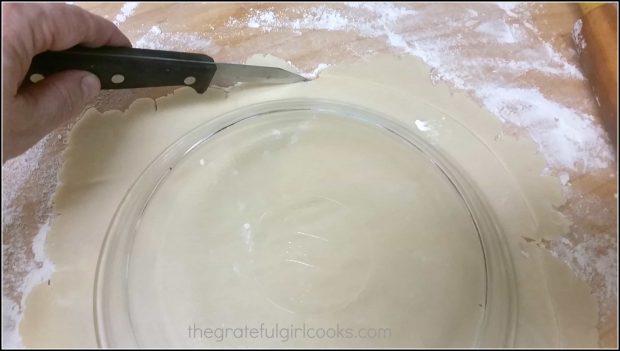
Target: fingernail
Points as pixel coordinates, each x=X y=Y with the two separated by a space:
x=90 y=86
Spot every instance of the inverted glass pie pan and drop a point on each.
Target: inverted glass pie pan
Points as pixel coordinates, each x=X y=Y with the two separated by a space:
x=304 y=214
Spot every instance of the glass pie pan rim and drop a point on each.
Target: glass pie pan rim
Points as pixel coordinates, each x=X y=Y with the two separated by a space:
x=111 y=314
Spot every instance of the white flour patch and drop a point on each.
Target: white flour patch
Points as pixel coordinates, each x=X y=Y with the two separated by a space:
x=509 y=7
x=156 y=38
x=264 y=19
x=321 y=17
x=580 y=42
x=11 y=315
x=315 y=73
x=500 y=31
x=127 y=10
x=24 y=165
x=564 y=178
x=40 y=270
x=422 y=126
x=309 y=74
x=24 y=262
x=567 y=139
x=594 y=260
x=556 y=60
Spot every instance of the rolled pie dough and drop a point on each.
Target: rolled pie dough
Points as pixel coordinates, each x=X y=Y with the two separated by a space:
x=243 y=274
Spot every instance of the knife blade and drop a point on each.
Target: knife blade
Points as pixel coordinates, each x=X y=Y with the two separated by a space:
x=127 y=68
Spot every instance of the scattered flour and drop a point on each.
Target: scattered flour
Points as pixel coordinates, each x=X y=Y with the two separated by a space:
x=501 y=31
x=564 y=178
x=580 y=42
x=509 y=7
x=422 y=126
x=41 y=271
x=12 y=186
x=567 y=138
x=315 y=73
x=594 y=259
x=321 y=17
x=310 y=74
x=127 y=10
x=156 y=38
x=29 y=265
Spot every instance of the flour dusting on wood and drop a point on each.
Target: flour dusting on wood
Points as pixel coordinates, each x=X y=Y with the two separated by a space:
x=156 y=38
x=26 y=255
x=580 y=42
x=127 y=10
x=566 y=137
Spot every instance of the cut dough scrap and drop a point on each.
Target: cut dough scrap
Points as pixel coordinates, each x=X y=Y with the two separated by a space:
x=108 y=151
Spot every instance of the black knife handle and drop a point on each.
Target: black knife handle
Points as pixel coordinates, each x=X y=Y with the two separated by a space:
x=126 y=68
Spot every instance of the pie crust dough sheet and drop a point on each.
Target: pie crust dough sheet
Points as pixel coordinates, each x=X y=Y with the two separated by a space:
x=108 y=151
x=305 y=218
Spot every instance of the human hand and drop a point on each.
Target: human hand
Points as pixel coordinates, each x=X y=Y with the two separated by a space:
x=27 y=30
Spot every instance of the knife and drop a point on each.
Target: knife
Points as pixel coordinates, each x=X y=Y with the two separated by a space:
x=126 y=68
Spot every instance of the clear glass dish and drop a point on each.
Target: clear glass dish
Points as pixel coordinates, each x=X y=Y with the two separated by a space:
x=304 y=213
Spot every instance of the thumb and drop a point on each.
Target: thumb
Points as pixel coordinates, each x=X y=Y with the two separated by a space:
x=61 y=96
